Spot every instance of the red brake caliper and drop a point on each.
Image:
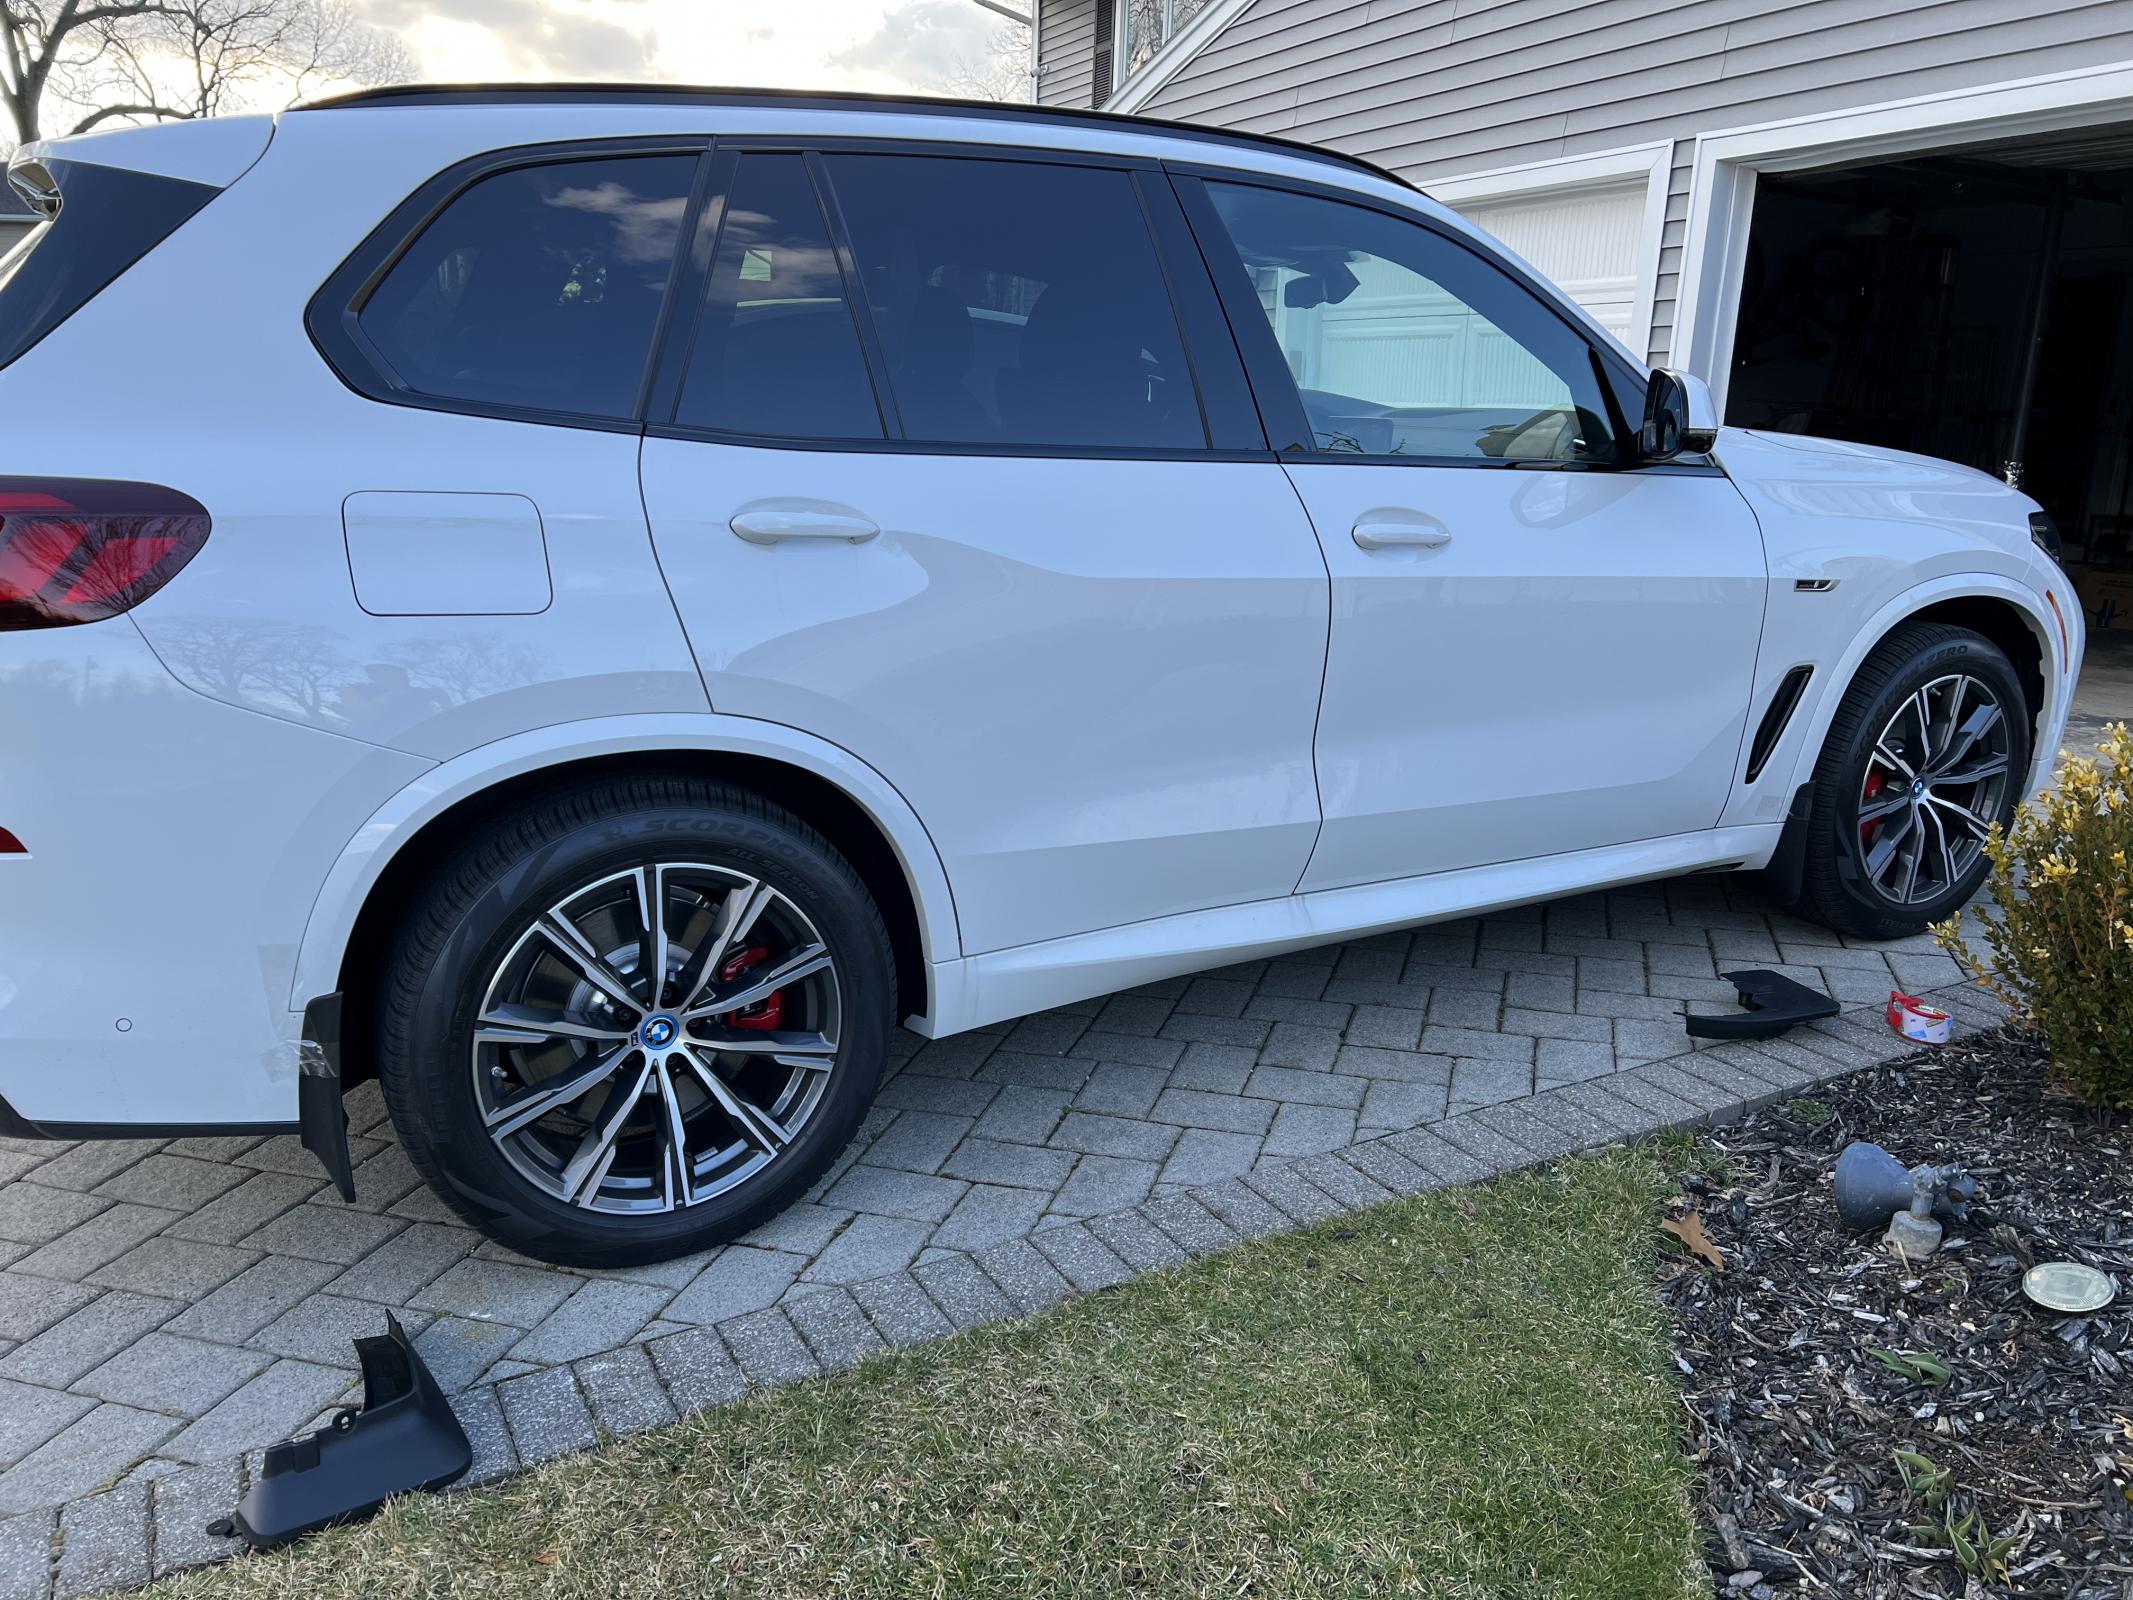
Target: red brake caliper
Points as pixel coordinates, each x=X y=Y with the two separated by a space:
x=767 y=1014
x=1873 y=787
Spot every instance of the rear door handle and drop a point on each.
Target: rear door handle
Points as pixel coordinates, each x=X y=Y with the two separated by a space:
x=770 y=525
x=1410 y=530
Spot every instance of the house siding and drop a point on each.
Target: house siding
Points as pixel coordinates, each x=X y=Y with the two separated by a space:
x=1673 y=242
x=1442 y=88
x=1066 y=52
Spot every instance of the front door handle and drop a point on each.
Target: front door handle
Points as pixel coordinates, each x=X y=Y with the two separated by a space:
x=1390 y=530
x=770 y=525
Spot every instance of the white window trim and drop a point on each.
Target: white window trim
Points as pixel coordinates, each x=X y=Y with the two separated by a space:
x=1722 y=192
x=1652 y=162
x=1134 y=92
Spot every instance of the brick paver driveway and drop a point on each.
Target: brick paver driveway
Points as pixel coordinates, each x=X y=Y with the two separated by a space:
x=167 y=1307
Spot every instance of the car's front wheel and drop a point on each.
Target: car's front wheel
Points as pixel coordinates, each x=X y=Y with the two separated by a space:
x=634 y=1019
x=1927 y=751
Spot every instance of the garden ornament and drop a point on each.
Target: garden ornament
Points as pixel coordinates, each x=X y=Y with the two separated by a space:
x=1873 y=1187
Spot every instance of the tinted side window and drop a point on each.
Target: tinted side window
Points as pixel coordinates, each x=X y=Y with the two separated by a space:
x=1404 y=343
x=1018 y=303
x=777 y=352
x=538 y=287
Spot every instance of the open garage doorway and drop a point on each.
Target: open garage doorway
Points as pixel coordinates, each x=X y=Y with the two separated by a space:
x=1975 y=304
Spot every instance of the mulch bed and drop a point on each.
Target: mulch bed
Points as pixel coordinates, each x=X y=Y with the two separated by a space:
x=1794 y=1421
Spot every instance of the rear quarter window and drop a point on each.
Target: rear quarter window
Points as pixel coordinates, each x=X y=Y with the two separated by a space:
x=98 y=222
x=537 y=288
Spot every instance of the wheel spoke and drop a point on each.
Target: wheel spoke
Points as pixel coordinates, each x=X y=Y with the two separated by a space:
x=675 y=1176
x=1887 y=843
x=802 y=963
x=1888 y=805
x=757 y=1126
x=651 y=889
x=787 y=1049
x=564 y=938
x=510 y=1024
x=1989 y=767
x=1964 y=739
x=596 y=1152
x=1948 y=873
x=745 y=902
x=1952 y=721
x=1922 y=709
x=1911 y=860
x=552 y=1094
x=1889 y=758
x=1970 y=820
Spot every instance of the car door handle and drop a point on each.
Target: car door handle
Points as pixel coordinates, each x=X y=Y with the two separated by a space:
x=769 y=525
x=1382 y=533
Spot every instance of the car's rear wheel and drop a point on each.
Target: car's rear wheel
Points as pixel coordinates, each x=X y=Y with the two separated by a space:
x=1927 y=751
x=634 y=1019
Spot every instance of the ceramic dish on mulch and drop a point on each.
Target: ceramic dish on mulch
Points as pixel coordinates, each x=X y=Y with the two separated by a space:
x=1866 y=1427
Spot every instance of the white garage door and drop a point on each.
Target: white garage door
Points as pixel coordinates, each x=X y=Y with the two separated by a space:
x=1584 y=239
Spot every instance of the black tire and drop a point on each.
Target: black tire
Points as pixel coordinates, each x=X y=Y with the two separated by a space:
x=476 y=912
x=1836 y=887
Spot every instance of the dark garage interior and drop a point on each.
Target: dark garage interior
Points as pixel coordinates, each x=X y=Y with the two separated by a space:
x=1975 y=305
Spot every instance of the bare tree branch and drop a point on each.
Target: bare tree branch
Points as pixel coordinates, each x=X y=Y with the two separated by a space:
x=1003 y=73
x=105 y=114
x=114 y=60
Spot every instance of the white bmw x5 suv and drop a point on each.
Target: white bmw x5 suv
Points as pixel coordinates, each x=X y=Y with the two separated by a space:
x=591 y=605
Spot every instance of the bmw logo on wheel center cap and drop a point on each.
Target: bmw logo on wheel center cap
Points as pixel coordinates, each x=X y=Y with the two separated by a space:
x=659 y=1032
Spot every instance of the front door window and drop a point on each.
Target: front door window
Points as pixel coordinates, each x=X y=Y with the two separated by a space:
x=1406 y=344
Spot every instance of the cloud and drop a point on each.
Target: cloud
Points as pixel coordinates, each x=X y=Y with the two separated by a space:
x=523 y=38
x=924 y=43
x=821 y=44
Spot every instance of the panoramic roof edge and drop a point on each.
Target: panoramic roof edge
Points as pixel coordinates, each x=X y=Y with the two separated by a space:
x=586 y=94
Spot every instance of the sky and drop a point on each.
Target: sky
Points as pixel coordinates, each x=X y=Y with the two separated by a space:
x=888 y=45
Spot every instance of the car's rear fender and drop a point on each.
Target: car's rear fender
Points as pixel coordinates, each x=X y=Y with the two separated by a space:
x=645 y=741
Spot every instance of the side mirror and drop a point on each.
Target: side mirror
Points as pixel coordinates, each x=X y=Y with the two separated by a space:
x=1679 y=416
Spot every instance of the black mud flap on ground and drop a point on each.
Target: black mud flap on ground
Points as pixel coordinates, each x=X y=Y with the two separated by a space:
x=1774 y=1001
x=404 y=1438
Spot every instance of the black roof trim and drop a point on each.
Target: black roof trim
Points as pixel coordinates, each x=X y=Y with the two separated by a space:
x=524 y=94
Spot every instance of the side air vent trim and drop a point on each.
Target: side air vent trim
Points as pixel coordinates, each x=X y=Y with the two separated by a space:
x=1782 y=703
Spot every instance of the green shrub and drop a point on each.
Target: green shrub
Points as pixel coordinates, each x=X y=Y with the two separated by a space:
x=2061 y=950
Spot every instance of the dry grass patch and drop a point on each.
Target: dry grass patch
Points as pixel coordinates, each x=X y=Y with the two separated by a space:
x=1463 y=1395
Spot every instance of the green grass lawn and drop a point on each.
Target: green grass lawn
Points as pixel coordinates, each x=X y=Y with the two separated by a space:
x=1464 y=1394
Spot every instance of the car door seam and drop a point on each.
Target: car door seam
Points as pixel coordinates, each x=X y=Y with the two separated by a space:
x=1325 y=671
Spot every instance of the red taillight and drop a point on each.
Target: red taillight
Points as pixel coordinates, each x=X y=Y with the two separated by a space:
x=10 y=845
x=82 y=549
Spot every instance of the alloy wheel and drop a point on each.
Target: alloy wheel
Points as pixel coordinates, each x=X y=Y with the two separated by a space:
x=1934 y=785
x=656 y=1038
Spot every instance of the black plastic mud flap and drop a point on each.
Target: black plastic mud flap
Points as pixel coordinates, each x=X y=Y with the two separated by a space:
x=1785 y=874
x=1774 y=1001
x=321 y=1119
x=404 y=1438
